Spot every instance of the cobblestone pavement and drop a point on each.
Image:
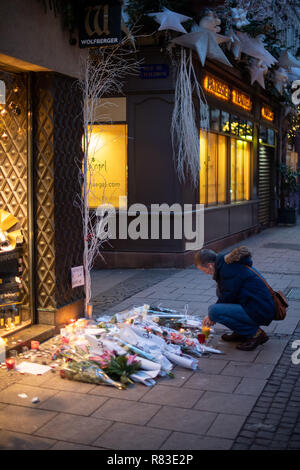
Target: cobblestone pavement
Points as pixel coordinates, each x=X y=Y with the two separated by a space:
x=274 y=422
x=237 y=400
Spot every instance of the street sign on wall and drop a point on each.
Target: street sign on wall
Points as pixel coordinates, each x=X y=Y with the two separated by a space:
x=100 y=24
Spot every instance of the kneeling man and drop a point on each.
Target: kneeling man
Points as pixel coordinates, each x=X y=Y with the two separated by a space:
x=244 y=302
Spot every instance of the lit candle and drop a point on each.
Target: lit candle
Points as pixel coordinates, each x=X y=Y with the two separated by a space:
x=206 y=331
x=35 y=345
x=10 y=363
x=90 y=310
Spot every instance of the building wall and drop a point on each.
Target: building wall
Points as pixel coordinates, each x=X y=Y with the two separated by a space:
x=57 y=153
x=34 y=40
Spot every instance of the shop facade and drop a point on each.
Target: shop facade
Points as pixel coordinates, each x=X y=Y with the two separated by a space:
x=238 y=157
x=40 y=150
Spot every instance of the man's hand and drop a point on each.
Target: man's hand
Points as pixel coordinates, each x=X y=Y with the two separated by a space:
x=207 y=321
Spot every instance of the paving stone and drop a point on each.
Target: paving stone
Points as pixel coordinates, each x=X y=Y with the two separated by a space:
x=212 y=383
x=18 y=441
x=163 y=395
x=74 y=403
x=61 y=445
x=186 y=441
x=73 y=428
x=11 y=395
x=271 y=352
x=57 y=383
x=181 y=376
x=230 y=353
x=127 y=411
x=226 y=403
x=179 y=419
x=133 y=392
x=23 y=419
x=34 y=380
x=131 y=437
x=256 y=371
x=250 y=386
x=210 y=366
x=226 y=426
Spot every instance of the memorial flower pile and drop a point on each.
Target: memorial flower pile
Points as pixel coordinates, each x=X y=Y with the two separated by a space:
x=137 y=345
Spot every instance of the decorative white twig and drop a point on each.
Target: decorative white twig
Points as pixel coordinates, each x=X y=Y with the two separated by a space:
x=104 y=72
x=184 y=129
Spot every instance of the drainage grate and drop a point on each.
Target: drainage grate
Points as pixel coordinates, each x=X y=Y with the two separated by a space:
x=294 y=293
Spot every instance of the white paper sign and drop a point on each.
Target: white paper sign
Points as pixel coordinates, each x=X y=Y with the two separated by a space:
x=32 y=368
x=77 y=275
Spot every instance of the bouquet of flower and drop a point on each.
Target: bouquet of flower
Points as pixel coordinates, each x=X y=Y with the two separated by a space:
x=122 y=367
x=187 y=344
x=105 y=368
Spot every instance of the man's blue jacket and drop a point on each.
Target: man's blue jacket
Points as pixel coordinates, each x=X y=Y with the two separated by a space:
x=239 y=285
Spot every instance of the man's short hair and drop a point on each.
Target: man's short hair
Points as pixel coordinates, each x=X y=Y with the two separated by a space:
x=204 y=257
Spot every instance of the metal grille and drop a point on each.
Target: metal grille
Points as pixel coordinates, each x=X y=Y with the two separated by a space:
x=264 y=186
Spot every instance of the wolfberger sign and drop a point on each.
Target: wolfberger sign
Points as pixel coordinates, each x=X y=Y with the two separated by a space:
x=100 y=24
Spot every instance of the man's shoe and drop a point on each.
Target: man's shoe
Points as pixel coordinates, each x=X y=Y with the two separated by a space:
x=231 y=337
x=259 y=338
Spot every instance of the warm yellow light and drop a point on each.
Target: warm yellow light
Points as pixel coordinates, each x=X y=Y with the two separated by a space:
x=107 y=164
x=267 y=113
x=216 y=88
x=241 y=99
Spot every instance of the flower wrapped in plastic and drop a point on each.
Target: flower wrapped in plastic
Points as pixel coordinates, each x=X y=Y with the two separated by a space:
x=107 y=367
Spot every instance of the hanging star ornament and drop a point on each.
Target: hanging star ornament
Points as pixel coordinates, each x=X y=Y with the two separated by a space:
x=206 y=44
x=257 y=71
x=287 y=60
x=235 y=45
x=170 y=20
x=255 y=47
x=280 y=79
x=294 y=74
x=239 y=17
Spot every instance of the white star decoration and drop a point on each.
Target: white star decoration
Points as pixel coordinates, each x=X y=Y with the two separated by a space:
x=170 y=20
x=235 y=45
x=254 y=47
x=257 y=71
x=281 y=79
x=205 y=42
x=287 y=60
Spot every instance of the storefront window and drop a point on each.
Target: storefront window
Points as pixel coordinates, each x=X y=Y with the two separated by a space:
x=108 y=165
x=263 y=136
x=214 y=119
x=271 y=137
x=240 y=152
x=234 y=125
x=213 y=161
x=266 y=136
x=225 y=122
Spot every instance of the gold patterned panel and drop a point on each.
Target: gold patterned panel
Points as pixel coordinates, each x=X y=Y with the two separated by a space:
x=44 y=193
x=14 y=165
x=57 y=150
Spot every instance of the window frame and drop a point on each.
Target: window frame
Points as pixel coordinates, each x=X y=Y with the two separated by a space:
x=228 y=136
x=111 y=123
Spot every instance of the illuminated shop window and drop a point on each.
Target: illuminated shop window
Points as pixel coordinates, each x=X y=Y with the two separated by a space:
x=234 y=125
x=217 y=154
x=240 y=152
x=108 y=164
x=225 y=122
x=215 y=119
x=266 y=136
x=213 y=161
